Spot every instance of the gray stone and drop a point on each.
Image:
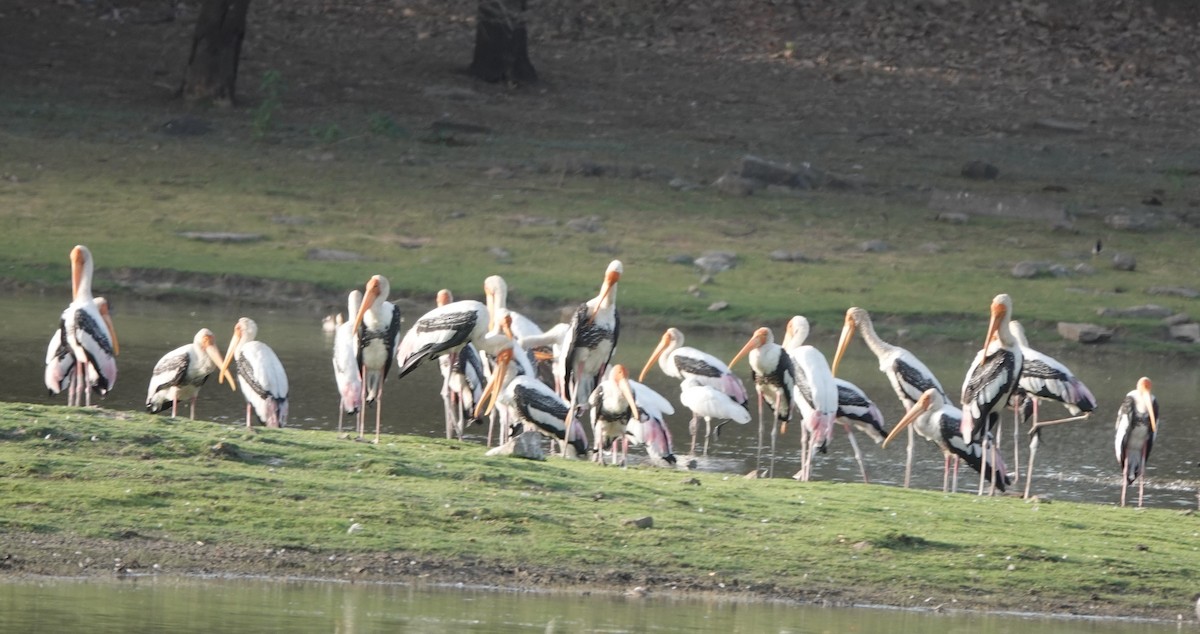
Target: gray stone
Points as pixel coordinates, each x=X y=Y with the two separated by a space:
x=1084 y=333
x=783 y=255
x=501 y=254
x=1176 y=319
x=586 y=224
x=1124 y=262
x=221 y=236
x=931 y=247
x=980 y=170
x=1084 y=268
x=733 y=185
x=1127 y=222
x=1027 y=269
x=718 y=306
x=803 y=176
x=1058 y=270
x=1060 y=125
x=1174 y=291
x=639 y=522
x=527 y=446
x=952 y=217
x=714 y=262
x=1010 y=206
x=333 y=255
x=1137 y=312
x=874 y=246
x=1187 y=333
x=682 y=184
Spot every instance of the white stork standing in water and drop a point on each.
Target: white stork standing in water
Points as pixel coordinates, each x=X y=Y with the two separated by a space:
x=908 y=375
x=612 y=406
x=591 y=339
x=88 y=331
x=533 y=404
x=60 y=359
x=815 y=395
x=180 y=373
x=1044 y=377
x=856 y=409
x=496 y=291
x=708 y=402
x=774 y=377
x=992 y=378
x=685 y=362
x=937 y=420
x=1137 y=426
x=346 y=371
x=377 y=325
x=260 y=374
x=650 y=426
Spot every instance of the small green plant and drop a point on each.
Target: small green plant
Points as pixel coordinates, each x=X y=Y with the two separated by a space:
x=327 y=134
x=381 y=124
x=271 y=87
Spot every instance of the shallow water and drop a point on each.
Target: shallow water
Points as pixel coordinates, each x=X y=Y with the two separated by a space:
x=150 y=604
x=1075 y=461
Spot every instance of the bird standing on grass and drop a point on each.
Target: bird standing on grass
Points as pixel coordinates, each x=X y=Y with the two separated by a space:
x=1137 y=427
x=180 y=373
x=260 y=374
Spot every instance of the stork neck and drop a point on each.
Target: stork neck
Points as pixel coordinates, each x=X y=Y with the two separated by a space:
x=877 y=345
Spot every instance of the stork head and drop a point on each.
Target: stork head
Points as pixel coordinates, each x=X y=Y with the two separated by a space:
x=1147 y=398
x=671 y=338
x=206 y=342
x=760 y=338
x=444 y=297
x=612 y=275
x=377 y=291
x=490 y=393
x=930 y=399
x=849 y=326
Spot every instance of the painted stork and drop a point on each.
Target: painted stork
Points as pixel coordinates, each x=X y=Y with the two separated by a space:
x=708 y=402
x=591 y=339
x=533 y=404
x=908 y=375
x=377 y=326
x=814 y=393
x=261 y=375
x=857 y=410
x=496 y=291
x=936 y=419
x=774 y=377
x=547 y=348
x=612 y=406
x=346 y=371
x=685 y=362
x=992 y=378
x=1137 y=426
x=87 y=329
x=60 y=359
x=649 y=429
x=464 y=377
x=1044 y=377
x=179 y=374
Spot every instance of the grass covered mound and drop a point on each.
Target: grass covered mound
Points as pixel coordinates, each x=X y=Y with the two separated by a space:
x=90 y=491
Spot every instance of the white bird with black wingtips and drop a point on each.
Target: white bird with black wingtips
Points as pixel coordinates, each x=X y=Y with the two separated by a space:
x=88 y=331
x=262 y=378
x=180 y=373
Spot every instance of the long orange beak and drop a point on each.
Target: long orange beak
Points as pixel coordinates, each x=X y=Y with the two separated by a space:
x=922 y=405
x=610 y=282
x=369 y=297
x=209 y=345
x=993 y=330
x=234 y=342
x=756 y=341
x=621 y=376
x=848 y=330
x=662 y=345
x=112 y=331
x=76 y=271
x=492 y=391
x=1143 y=387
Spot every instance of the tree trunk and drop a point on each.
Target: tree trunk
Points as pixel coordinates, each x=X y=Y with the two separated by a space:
x=501 y=46
x=211 y=73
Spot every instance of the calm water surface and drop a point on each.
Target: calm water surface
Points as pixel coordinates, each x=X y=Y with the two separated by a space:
x=1075 y=461
x=241 y=605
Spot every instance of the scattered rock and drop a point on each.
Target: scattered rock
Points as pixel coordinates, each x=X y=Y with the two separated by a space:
x=1176 y=319
x=186 y=126
x=221 y=236
x=1127 y=222
x=770 y=173
x=1060 y=125
x=333 y=255
x=1084 y=268
x=718 y=306
x=1084 y=333
x=931 y=247
x=1124 y=262
x=1174 y=291
x=1187 y=333
x=226 y=450
x=1058 y=270
x=528 y=446
x=1026 y=270
x=639 y=522
x=682 y=185
x=502 y=255
x=291 y=221
x=692 y=482
x=1015 y=206
x=952 y=217
x=783 y=255
x=733 y=185
x=980 y=170
x=714 y=262
x=1145 y=310
x=874 y=246
x=586 y=224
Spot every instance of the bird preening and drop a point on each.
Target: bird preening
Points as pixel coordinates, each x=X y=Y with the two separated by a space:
x=493 y=359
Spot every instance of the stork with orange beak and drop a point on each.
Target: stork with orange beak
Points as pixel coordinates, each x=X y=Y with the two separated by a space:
x=590 y=340
x=1137 y=426
x=260 y=373
x=532 y=403
x=377 y=328
x=86 y=328
x=992 y=378
x=180 y=373
x=774 y=379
